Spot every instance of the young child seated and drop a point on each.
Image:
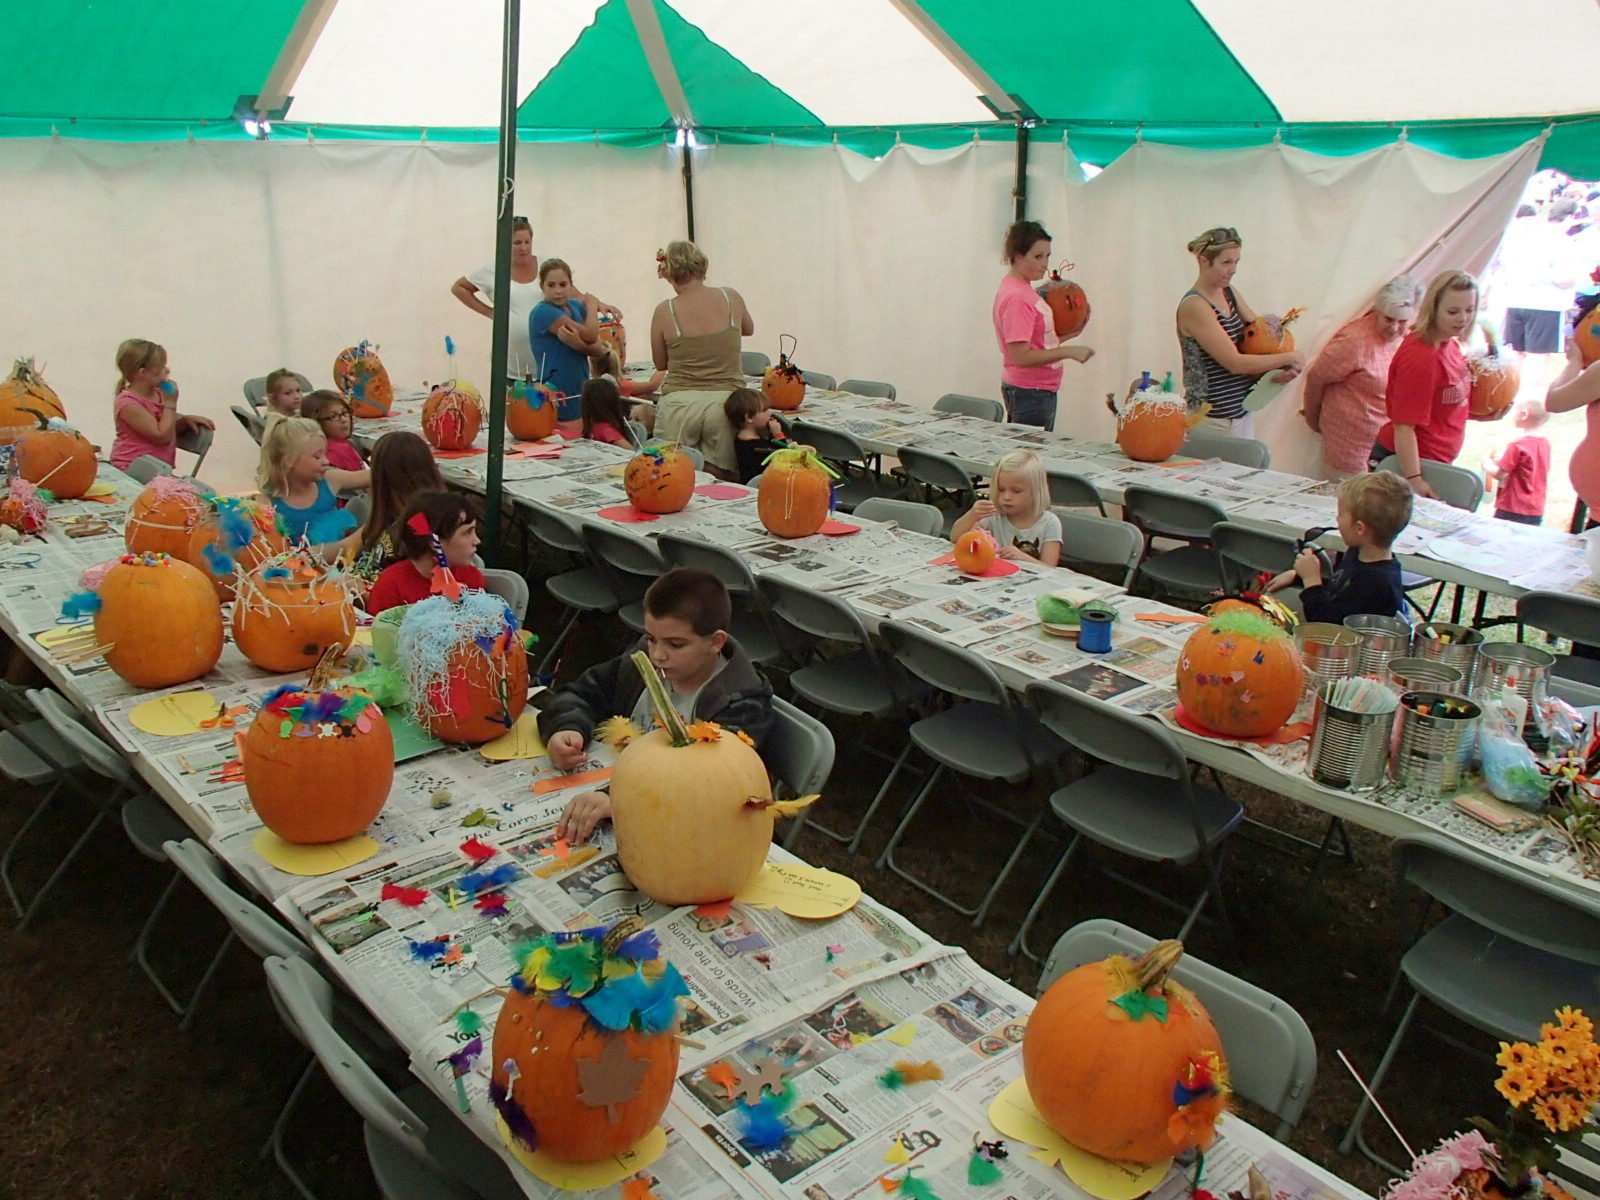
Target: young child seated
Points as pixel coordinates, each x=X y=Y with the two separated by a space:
x=708 y=676
x=1019 y=516
x=454 y=519
x=402 y=467
x=1373 y=509
x=605 y=419
x=145 y=411
x=1522 y=469
x=332 y=412
x=756 y=432
x=294 y=474
x=284 y=392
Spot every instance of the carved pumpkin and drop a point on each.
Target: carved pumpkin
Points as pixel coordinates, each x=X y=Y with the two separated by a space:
x=21 y=506
x=796 y=493
x=1240 y=673
x=25 y=397
x=162 y=619
x=1069 y=306
x=465 y=665
x=1152 y=425
x=531 y=411
x=1124 y=1063
x=318 y=762
x=288 y=613
x=451 y=416
x=1269 y=334
x=1586 y=333
x=614 y=337
x=784 y=384
x=975 y=551
x=57 y=457
x=1495 y=378
x=218 y=534
x=360 y=377
x=586 y=1085
x=659 y=479
x=691 y=806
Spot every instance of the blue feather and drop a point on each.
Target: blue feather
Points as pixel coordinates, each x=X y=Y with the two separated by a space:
x=217 y=560
x=428 y=951
x=449 y=345
x=760 y=1127
x=81 y=604
x=640 y=947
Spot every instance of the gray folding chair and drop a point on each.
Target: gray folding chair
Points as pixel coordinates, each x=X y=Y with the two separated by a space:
x=908 y=514
x=1189 y=570
x=753 y=362
x=196 y=440
x=1564 y=615
x=868 y=387
x=1073 y=491
x=753 y=627
x=941 y=478
x=981 y=407
x=1246 y=452
x=1272 y=1057
x=1456 y=486
x=631 y=564
x=1138 y=800
x=821 y=381
x=986 y=736
x=253 y=423
x=1100 y=541
x=1513 y=949
x=799 y=753
x=147 y=467
x=415 y=1144
x=510 y=587
x=31 y=753
x=1244 y=553
x=860 y=477
x=255 y=390
x=637 y=433
x=359 y=506
x=586 y=589
x=860 y=682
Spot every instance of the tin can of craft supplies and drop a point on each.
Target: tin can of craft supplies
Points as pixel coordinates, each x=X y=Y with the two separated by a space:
x=1349 y=750
x=1456 y=645
x=1328 y=652
x=1094 y=631
x=1527 y=668
x=1436 y=734
x=1382 y=639
x=1425 y=674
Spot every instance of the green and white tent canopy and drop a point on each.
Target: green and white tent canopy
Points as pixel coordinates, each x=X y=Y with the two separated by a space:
x=1465 y=77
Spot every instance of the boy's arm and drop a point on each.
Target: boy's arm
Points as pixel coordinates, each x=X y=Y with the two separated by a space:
x=582 y=704
x=750 y=713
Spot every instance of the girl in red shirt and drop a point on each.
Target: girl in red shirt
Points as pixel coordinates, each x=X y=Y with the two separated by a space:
x=454 y=519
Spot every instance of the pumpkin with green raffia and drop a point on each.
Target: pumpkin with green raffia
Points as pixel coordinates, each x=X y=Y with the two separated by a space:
x=796 y=492
x=25 y=398
x=1240 y=673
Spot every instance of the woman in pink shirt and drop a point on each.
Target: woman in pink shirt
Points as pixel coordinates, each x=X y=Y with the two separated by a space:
x=1030 y=352
x=146 y=408
x=1578 y=386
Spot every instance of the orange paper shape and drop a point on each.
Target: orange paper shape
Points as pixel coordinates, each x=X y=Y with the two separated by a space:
x=1291 y=732
x=717 y=910
x=557 y=783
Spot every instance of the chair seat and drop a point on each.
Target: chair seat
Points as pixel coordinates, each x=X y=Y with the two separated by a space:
x=43 y=740
x=852 y=490
x=1495 y=984
x=150 y=825
x=1578 y=670
x=1188 y=568
x=977 y=739
x=20 y=763
x=1410 y=580
x=1127 y=811
x=585 y=589
x=480 y=1171
x=847 y=684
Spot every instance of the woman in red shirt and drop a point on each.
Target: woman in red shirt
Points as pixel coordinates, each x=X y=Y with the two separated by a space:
x=454 y=518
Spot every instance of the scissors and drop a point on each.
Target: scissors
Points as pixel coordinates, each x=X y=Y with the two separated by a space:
x=223 y=719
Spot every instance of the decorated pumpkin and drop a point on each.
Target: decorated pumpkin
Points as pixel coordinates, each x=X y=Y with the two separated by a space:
x=55 y=456
x=1495 y=379
x=584 y=1054
x=796 y=492
x=1586 y=329
x=25 y=398
x=783 y=383
x=318 y=761
x=975 y=551
x=531 y=410
x=360 y=377
x=1240 y=673
x=1269 y=334
x=218 y=534
x=1069 y=306
x=287 y=612
x=1123 y=1062
x=1151 y=425
x=22 y=507
x=465 y=665
x=161 y=618
x=614 y=337
x=451 y=416
x=691 y=806
x=659 y=479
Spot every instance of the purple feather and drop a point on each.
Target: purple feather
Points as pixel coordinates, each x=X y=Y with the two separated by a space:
x=461 y=1061
x=517 y=1121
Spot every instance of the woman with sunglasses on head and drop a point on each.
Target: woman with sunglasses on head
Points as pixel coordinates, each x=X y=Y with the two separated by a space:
x=1212 y=317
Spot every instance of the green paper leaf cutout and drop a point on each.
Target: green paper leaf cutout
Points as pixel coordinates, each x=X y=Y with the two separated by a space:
x=1139 y=1005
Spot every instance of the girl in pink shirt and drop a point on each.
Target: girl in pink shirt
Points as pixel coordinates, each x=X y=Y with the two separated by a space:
x=1031 y=355
x=604 y=417
x=145 y=411
x=332 y=411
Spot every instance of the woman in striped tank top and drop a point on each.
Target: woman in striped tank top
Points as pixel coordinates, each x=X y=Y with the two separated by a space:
x=1211 y=321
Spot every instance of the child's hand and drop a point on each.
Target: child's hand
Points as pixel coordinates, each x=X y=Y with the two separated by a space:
x=983 y=508
x=565 y=749
x=1308 y=568
x=1080 y=353
x=582 y=814
x=1014 y=555
x=1279 y=581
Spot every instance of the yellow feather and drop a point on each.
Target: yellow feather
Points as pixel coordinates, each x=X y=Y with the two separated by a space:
x=617 y=732
x=916 y=1072
x=793 y=808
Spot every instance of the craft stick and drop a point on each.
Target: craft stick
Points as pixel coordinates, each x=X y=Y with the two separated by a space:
x=689 y=1042
x=1410 y=1153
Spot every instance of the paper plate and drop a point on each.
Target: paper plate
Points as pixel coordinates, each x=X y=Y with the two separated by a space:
x=579 y=1177
x=1013 y=1115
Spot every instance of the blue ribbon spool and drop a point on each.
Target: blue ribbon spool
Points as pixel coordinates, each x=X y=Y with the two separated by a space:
x=1094 y=632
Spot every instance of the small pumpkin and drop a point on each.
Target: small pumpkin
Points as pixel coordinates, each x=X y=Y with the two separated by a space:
x=451 y=416
x=1495 y=379
x=1269 y=334
x=288 y=612
x=531 y=410
x=1586 y=329
x=796 y=492
x=1240 y=673
x=25 y=397
x=1069 y=305
x=361 y=378
x=975 y=551
x=1152 y=425
x=465 y=665
x=584 y=1055
x=57 y=457
x=162 y=619
x=783 y=383
x=659 y=479
x=21 y=506
x=1123 y=1062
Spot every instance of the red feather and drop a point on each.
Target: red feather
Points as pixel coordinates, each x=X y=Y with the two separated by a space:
x=419 y=524
x=410 y=897
x=477 y=850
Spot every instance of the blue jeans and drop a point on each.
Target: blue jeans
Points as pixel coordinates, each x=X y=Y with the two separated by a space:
x=1029 y=406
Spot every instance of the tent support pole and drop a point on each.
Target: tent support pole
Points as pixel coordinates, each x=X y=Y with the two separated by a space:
x=688 y=183
x=505 y=198
x=1019 y=190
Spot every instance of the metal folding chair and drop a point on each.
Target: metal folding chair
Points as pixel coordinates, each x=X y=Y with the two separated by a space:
x=1073 y=491
x=941 y=478
x=981 y=407
x=753 y=362
x=1191 y=569
x=586 y=589
x=253 y=423
x=868 y=387
x=510 y=587
x=1101 y=541
x=1565 y=615
x=753 y=628
x=859 y=475
x=147 y=467
x=908 y=514
x=799 y=754
x=197 y=441
x=1243 y=553
x=820 y=380
x=631 y=565
x=1246 y=452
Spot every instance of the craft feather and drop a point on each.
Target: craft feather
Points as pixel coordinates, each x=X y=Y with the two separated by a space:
x=478 y=850
x=80 y=604
x=982 y=1171
x=275 y=573
x=432 y=631
x=761 y=1126
x=493 y=904
x=461 y=1061
x=517 y=1120
x=428 y=951
x=641 y=946
x=617 y=732
x=274 y=699
x=905 y=1072
x=481 y=881
x=89 y=581
x=408 y=896
x=916 y=1188
x=235 y=519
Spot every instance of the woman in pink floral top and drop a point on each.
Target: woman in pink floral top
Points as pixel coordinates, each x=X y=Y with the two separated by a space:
x=1344 y=394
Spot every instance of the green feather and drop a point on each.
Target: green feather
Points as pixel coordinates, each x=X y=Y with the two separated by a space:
x=981 y=1171
x=468 y=1022
x=1139 y=1004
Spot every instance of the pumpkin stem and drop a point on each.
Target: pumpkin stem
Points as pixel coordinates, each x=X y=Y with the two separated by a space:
x=1155 y=964
x=44 y=419
x=322 y=673
x=676 y=729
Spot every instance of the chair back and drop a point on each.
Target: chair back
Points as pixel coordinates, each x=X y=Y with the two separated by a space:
x=1562 y=615
x=1162 y=513
x=510 y=587
x=250 y=923
x=637 y=433
x=147 y=467
x=253 y=423
x=359 y=506
x=753 y=362
x=981 y=407
x=255 y=390
x=908 y=514
x=948 y=668
x=1247 y=452
x=798 y=750
x=822 y=382
x=1272 y=1057
x=197 y=439
x=1243 y=553
x=1456 y=486
x=934 y=470
x=555 y=529
x=834 y=444
x=1086 y=538
x=624 y=553
x=1073 y=491
x=682 y=551
x=868 y=387
x=820 y=614
x=1501 y=897
x=1107 y=733
x=99 y=757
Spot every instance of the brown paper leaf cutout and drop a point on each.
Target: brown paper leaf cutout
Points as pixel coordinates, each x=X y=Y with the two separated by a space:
x=611 y=1079
x=768 y=1074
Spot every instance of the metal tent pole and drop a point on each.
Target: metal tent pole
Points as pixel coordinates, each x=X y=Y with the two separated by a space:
x=1019 y=190
x=688 y=177
x=506 y=191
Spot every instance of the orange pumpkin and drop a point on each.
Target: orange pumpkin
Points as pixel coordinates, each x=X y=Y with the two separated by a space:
x=318 y=764
x=975 y=551
x=162 y=619
x=1495 y=379
x=57 y=457
x=1152 y=426
x=575 y=1087
x=531 y=411
x=784 y=384
x=288 y=613
x=180 y=517
x=21 y=507
x=1240 y=673
x=451 y=416
x=1069 y=305
x=1124 y=1063
x=360 y=377
x=659 y=479
x=1269 y=334
x=614 y=337
x=25 y=398
x=464 y=662
x=796 y=493
x=1586 y=333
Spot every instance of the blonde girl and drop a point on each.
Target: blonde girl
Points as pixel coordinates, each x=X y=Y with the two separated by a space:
x=1019 y=516
x=294 y=474
x=145 y=410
